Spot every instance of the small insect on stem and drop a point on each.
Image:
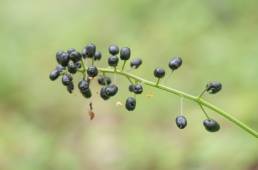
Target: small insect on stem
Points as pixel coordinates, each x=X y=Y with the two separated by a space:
x=91 y=113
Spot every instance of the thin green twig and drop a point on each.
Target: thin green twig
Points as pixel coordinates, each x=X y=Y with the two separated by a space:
x=197 y=99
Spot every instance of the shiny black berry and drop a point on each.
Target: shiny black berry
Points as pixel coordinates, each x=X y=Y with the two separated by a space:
x=104 y=80
x=54 y=75
x=97 y=55
x=159 y=72
x=211 y=125
x=70 y=87
x=113 y=61
x=83 y=85
x=66 y=79
x=92 y=71
x=137 y=89
x=103 y=93
x=131 y=87
x=111 y=90
x=75 y=56
x=181 y=122
x=86 y=93
x=89 y=51
x=213 y=87
x=125 y=53
x=59 y=68
x=62 y=58
x=130 y=103
x=70 y=50
x=72 y=68
x=113 y=49
x=136 y=63
x=175 y=63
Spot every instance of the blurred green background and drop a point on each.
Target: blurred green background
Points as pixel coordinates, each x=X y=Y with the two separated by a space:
x=43 y=127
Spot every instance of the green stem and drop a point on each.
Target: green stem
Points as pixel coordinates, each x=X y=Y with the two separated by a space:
x=179 y=93
x=124 y=65
x=83 y=69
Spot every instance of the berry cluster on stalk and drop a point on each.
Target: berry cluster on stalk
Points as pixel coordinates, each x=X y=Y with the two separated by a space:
x=72 y=61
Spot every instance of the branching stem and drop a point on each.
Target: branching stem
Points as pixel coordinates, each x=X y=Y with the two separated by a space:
x=197 y=99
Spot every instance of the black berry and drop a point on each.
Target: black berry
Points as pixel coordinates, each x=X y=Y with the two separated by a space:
x=54 y=75
x=131 y=87
x=125 y=53
x=89 y=51
x=113 y=49
x=111 y=90
x=66 y=79
x=130 y=103
x=92 y=71
x=159 y=72
x=62 y=58
x=104 y=80
x=97 y=55
x=70 y=87
x=213 y=87
x=175 y=63
x=103 y=93
x=72 y=68
x=86 y=93
x=137 y=89
x=113 y=61
x=59 y=68
x=181 y=122
x=136 y=63
x=83 y=85
x=70 y=50
x=211 y=125
x=75 y=56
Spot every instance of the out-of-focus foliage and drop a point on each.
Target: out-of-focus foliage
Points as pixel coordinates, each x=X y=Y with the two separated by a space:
x=43 y=127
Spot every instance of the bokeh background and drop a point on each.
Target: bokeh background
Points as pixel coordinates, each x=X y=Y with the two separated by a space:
x=43 y=127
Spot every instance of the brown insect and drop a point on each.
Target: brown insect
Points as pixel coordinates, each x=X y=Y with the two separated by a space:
x=90 y=112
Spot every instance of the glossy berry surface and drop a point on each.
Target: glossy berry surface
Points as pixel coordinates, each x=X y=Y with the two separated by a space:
x=104 y=80
x=125 y=53
x=211 y=125
x=62 y=58
x=70 y=87
x=135 y=63
x=213 y=87
x=70 y=50
x=86 y=93
x=111 y=90
x=137 y=89
x=66 y=79
x=97 y=55
x=103 y=93
x=89 y=51
x=113 y=61
x=83 y=85
x=130 y=103
x=54 y=75
x=92 y=71
x=75 y=56
x=113 y=49
x=181 y=122
x=59 y=68
x=72 y=68
x=159 y=72
x=175 y=63
x=131 y=87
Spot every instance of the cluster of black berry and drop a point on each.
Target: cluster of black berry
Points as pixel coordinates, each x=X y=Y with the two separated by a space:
x=210 y=124
x=72 y=61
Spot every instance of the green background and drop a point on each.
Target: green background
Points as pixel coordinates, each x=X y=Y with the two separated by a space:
x=43 y=127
